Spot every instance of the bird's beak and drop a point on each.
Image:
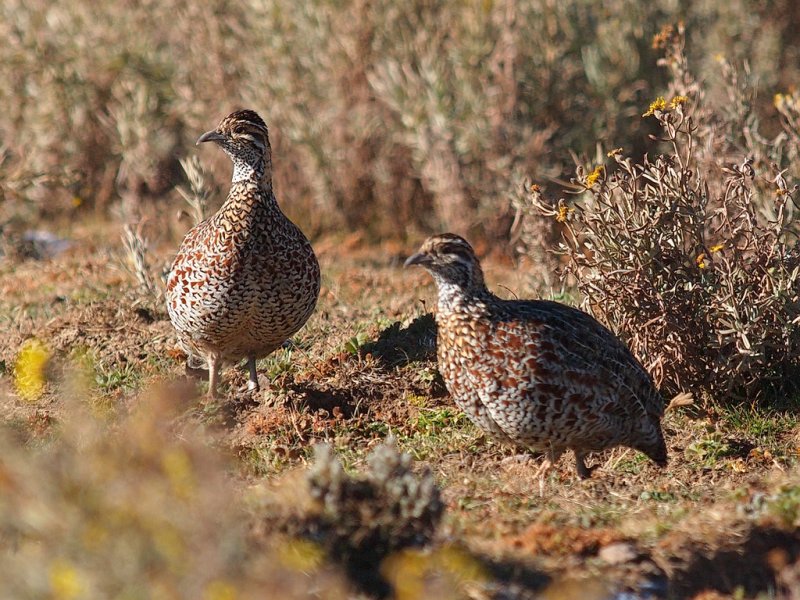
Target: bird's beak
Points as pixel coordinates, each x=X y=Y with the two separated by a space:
x=420 y=258
x=210 y=136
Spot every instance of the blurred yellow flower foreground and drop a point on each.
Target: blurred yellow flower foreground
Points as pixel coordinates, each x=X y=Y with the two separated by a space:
x=29 y=369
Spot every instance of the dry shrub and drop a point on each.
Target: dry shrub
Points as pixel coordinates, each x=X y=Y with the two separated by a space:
x=388 y=509
x=692 y=256
x=95 y=504
x=137 y=254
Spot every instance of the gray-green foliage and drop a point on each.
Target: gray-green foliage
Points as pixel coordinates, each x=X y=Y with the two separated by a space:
x=387 y=509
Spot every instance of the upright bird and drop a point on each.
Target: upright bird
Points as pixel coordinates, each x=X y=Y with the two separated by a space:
x=535 y=373
x=245 y=280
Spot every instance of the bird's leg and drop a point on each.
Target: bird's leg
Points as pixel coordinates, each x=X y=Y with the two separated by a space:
x=550 y=458
x=252 y=383
x=584 y=472
x=213 y=375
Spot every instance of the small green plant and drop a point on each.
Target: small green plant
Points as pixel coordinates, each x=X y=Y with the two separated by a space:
x=709 y=450
x=632 y=463
x=418 y=400
x=354 y=344
x=124 y=377
x=786 y=505
x=433 y=421
x=427 y=375
x=658 y=496
x=377 y=428
x=765 y=425
x=279 y=363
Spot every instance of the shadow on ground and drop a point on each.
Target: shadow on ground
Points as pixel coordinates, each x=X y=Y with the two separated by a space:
x=751 y=566
x=399 y=346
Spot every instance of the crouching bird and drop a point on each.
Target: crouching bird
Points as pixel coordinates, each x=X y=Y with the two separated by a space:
x=537 y=374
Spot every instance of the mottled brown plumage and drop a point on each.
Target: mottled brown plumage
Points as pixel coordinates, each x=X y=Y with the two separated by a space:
x=535 y=373
x=245 y=280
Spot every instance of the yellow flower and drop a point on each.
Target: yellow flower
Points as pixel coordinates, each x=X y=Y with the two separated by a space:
x=592 y=177
x=178 y=467
x=701 y=260
x=563 y=213
x=460 y=564
x=781 y=192
x=301 y=555
x=65 y=581
x=614 y=152
x=657 y=104
x=778 y=100
x=410 y=570
x=220 y=589
x=678 y=101
x=76 y=201
x=29 y=370
x=716 y=248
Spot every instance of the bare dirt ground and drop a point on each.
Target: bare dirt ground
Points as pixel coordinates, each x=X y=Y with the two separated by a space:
x=720 y=521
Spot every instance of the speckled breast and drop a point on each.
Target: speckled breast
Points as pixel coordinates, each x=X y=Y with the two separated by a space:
x=458 y=357
x=242 y=293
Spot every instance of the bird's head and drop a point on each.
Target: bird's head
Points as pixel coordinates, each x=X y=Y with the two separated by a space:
x=451 y=261
x=244 y=137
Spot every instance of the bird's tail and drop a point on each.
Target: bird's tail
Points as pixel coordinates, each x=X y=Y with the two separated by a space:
x=655 y=447
x=657 y=452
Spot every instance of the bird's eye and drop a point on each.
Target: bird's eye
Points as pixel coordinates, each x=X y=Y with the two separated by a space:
x=249 y=137
x=458 y=257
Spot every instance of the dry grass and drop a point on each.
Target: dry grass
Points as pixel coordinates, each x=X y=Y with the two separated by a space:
x=117 y=479
x=96 y=443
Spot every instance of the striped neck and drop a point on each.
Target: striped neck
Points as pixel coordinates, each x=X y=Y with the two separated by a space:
x=258 y=171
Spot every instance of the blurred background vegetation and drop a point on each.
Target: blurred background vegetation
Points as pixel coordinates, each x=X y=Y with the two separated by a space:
x=390 y=118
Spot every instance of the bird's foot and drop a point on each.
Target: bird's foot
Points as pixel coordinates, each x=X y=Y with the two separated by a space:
x=517 y=459
x=253 y=386
x=248 y=389
x=195 y=373
x=584 y=472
